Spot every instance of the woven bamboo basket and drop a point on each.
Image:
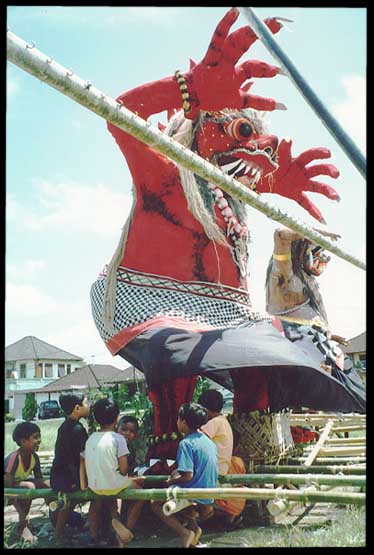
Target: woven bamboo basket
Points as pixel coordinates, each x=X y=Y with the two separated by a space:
x=262 y=438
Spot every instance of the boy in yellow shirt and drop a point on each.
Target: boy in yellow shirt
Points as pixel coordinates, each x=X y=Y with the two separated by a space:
x=18 y=469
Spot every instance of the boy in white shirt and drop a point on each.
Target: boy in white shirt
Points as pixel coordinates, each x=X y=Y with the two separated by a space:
x=104 y=468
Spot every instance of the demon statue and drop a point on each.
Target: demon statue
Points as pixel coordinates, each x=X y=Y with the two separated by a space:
x=174 y=300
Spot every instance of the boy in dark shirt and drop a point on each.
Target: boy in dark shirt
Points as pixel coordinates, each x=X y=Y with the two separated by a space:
x=18 y=467
x=71 y=439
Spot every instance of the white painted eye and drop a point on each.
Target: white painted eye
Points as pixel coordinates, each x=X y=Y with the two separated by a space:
x=239 y=129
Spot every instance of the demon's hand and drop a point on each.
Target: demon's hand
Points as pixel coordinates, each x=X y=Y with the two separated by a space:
x=293 y=177
x=216 y=82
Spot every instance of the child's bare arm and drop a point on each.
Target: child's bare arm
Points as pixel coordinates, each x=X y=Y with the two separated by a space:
x=179 y=477
x=8 y=480
x=123 y=465
x=83 y=474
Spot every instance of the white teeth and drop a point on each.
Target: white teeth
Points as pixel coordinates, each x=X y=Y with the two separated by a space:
x=228 y=167
x=258 y=175
x=253 y=172
x=240 y=168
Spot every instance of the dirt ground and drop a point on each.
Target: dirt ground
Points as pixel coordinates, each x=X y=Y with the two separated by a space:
x=153 y=534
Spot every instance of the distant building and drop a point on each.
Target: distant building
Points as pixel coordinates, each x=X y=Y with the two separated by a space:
x=356 y=350
x=88 y=378
x=31 y=363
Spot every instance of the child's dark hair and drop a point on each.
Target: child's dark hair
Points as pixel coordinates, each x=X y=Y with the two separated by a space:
x=24 y=430
x=69 y=399
x=194 y=414
x=105 y=411
x=212 y=400
x=127 y=419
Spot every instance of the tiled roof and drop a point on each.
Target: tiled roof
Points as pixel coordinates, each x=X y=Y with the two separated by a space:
x=91 y=376
x=32 y=348
x=357 y=344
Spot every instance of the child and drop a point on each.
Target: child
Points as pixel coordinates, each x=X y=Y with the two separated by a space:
x=197 y=468
x=71 y=439
x=128 y=427
x=219 y=430
x=104 y=469
x=18 y=467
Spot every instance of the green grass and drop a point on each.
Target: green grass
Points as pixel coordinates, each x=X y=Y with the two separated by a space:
x=346 y=530
x=48 y=430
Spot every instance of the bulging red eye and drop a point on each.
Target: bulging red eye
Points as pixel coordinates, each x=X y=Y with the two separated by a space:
x=239 y=129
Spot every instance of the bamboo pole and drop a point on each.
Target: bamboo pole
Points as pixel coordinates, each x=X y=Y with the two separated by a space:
x=337 y=451
x=274 y=506
x=320 y=418
x=349 y=429
x=296 y=479
x=346 y=441
x=327 y=460
x=315 y=469
x=317 y=447
x=153 y=494
x=306 y=91
x=28 y=58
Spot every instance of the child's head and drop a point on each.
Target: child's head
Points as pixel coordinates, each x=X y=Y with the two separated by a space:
x=106 y=411
x=128 y=426
x=74 y=404
x=27 y=436
x=212 y=401
x=193 y=415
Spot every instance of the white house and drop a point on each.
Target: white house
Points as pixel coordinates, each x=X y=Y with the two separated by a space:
x=31 y=363
x=87 y=379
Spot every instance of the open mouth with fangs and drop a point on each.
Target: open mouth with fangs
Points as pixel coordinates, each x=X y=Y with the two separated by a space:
x=247 y=167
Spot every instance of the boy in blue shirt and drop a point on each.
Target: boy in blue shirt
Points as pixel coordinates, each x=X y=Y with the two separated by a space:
x=197 y=468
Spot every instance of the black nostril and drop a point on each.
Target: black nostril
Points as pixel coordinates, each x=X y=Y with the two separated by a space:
x=268 y=150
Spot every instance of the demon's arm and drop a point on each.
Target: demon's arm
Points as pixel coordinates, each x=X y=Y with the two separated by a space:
x=214 y=83
x=293 y=177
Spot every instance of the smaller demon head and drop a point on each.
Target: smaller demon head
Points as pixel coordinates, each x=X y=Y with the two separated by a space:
x=236 y=141
x=309 y=257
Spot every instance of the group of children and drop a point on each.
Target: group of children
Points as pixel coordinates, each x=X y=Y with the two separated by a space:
x=103 y=463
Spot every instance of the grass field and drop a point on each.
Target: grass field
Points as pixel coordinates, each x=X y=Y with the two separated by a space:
x=48 y=430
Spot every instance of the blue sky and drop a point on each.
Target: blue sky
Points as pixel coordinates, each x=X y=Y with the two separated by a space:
x=68 y=186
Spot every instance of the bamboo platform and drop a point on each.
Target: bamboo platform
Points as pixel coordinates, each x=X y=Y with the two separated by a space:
x=329 y=471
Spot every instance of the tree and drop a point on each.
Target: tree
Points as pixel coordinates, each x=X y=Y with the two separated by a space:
x=30 y=407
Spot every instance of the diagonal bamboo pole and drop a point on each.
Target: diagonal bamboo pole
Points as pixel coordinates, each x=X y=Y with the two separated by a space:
x=28 y=58
x=307 y=92
x=317 y=447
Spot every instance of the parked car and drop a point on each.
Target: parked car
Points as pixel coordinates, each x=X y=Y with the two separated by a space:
x=49 y=409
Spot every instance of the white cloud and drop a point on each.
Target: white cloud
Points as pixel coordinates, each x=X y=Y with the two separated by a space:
x=29 y=270
x=351 y=112
x=97 y=16
x=73 y=207
x=22 y=300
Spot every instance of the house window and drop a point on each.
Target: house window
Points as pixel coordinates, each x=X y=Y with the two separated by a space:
x=68 y=368
x=61 y=370
x=362 y=359
x=39 y=370
x=22 y=370
x=48 y=373
x=9 y=373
